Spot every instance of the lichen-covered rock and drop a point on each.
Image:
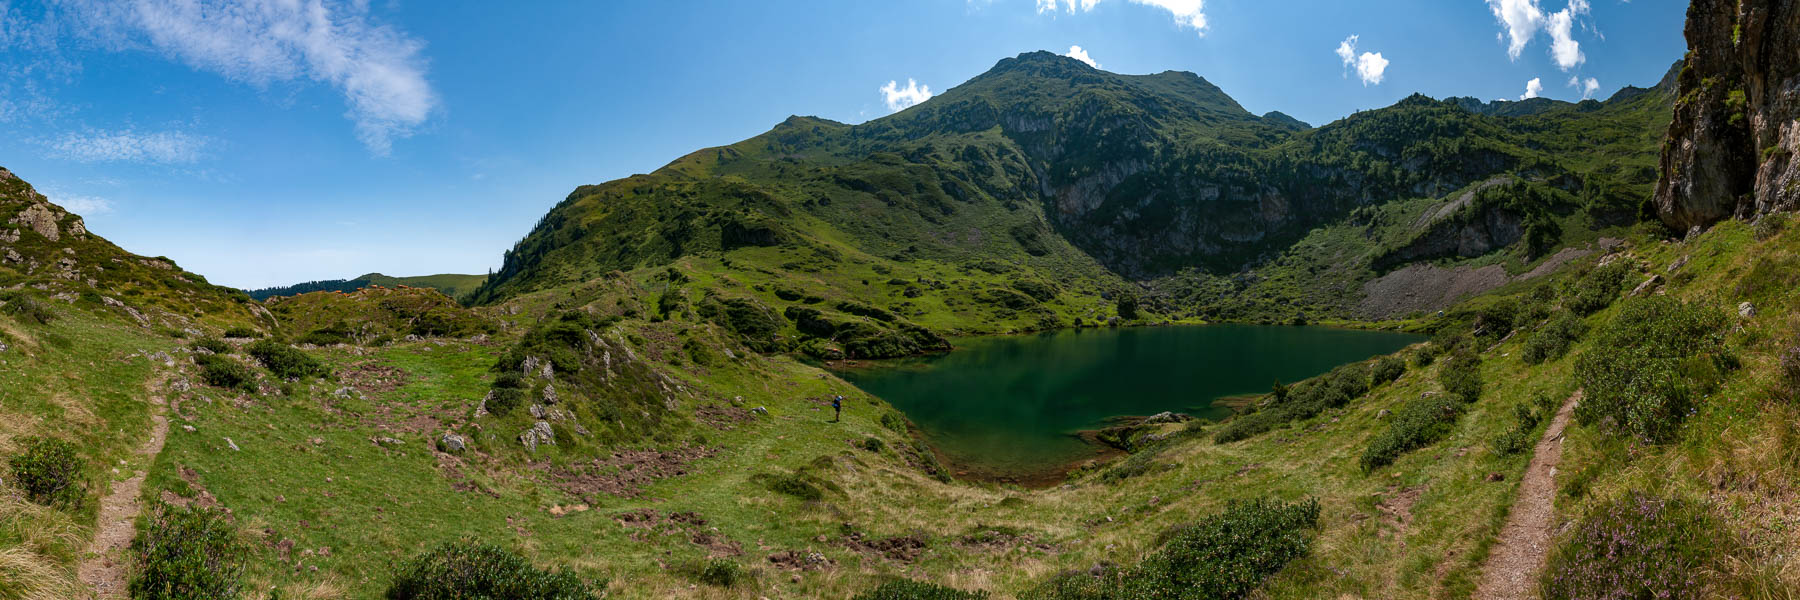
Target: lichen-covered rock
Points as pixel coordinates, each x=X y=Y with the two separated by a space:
x=539 y=434
x=39 y=218
x=1733 y=147
x=452 y=443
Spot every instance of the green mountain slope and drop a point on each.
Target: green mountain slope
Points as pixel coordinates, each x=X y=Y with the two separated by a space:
x=1047 y=170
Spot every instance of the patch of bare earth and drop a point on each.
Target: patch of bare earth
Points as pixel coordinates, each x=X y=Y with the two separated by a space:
x=626 y=472
x=651 y=523
x=1396 y=510
x=904 y=549
x=103 y=567
x=1511 y=570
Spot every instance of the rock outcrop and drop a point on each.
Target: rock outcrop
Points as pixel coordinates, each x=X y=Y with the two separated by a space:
x=1731 y=149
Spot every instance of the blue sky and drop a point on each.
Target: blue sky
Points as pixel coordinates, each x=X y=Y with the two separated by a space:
x=265 y=142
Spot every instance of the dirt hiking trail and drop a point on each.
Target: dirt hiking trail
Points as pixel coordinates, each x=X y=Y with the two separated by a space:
x=1511 y=571
x=103 y=568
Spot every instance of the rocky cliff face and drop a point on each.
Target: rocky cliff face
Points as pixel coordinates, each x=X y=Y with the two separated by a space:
x=1732 y=144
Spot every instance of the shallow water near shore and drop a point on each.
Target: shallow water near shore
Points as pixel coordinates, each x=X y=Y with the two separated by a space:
x=1008 y=407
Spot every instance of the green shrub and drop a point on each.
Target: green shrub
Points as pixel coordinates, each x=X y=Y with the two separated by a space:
x=1388 y=369
x=1427 y=354
x=720 y=572
x=1227 y=555
x=1039 y=291
x=50 y=473
x=1418 y=423
x=928 y=462
x=795 y=485
x=1770 y=224
x=872 y=444
x=222 y=372
x=469 y=570
x=1635 y=546
x=188 y=553
x=1526 y=420
x=213 y=345
x=906 y=589
x=24 y=307
x=1649 y=365
x=1553 y=340
x=894 y=422
x=286 y=361
x=1594 y=290
x=242 y=332
x=1461 y=375
x=327 y=336
x=1128 y=306
x=1299 y=401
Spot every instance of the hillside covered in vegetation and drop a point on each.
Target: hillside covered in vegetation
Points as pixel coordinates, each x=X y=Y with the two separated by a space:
x=640 y=403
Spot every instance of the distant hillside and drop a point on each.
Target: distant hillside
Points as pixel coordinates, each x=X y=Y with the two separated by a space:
x=452 y=285
x=1085 y=186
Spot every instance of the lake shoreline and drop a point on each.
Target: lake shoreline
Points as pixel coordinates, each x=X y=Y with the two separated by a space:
x=1031 y=410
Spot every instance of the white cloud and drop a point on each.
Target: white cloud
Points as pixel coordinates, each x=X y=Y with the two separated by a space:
x=128 y=145
x=1347 y=50
x=1533 y=88
x=378 y=70
x=1188 y=13
x=1563 y=46
x=900 y=98
x=1521 y=20
x=1588 y=87
x=1371 y=67
x=1077 y=53
x=82 y=205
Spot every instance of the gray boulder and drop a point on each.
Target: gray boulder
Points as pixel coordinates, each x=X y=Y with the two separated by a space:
x=539 y=433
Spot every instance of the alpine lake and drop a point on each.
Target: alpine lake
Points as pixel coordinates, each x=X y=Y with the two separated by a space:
x=1012 y=408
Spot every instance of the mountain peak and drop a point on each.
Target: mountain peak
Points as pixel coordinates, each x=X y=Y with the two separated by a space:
x=1042 y=62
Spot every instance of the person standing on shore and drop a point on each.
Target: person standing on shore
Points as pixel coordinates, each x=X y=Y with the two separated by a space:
x=837 y=408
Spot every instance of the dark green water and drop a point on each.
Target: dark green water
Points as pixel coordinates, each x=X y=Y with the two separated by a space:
x=1007 y=406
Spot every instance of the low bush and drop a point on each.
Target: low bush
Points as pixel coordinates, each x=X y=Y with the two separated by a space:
x=894 y=421
x=50 y=473
x=1650 y=364
x=872 y=444
x=1461 y=375
x=1636 y=546
x=720 y=572
x=1388 y=369
x=188 y=553
x=286 y=361
x=242 y=332
x=906 y=589
x=213 y=345
x=469 y=570
x=796 y=486
x=222 y=372
x=1526 y=419
x=928 y=462
x=1299 y=401
x=1594 y=290
x=1553 y=340
x=1770 y=224
x=1227 y=555
x=327 y=336
x=24 y=307
x=1418 y=423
